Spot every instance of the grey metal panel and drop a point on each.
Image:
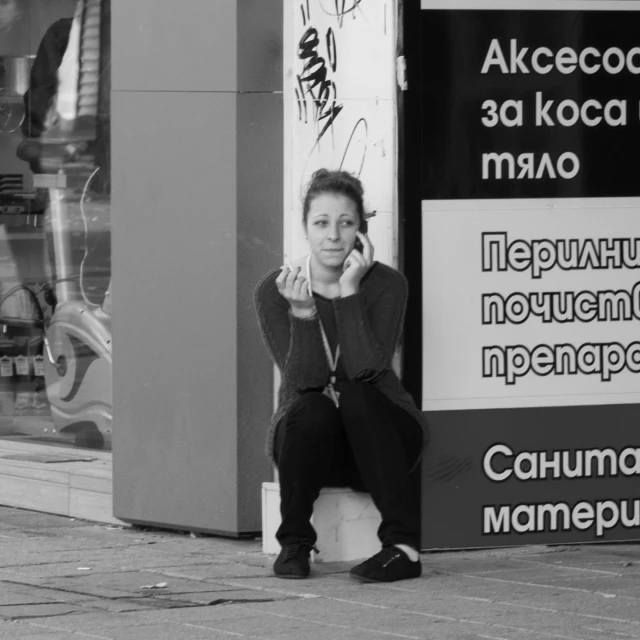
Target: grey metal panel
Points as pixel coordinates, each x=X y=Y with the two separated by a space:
x=159 y=45
x=260 y=220
x=260 y=45
x=174 y=309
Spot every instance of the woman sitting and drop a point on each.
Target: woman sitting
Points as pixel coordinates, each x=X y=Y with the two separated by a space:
x=332 y=322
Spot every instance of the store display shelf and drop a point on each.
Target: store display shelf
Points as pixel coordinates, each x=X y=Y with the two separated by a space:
x=23 y=220
x=33 y=476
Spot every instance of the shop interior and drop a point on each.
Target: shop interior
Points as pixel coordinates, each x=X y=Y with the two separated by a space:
x=55 y=226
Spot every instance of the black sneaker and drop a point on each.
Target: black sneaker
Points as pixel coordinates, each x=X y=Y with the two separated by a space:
x=293 y=561
x=388 y=565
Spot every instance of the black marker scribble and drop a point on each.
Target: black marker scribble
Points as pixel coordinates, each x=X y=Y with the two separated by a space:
x=331 y=49
x=353 y=156
x=306 y=14
x=313 y=81
x=342 y=8
x=302 y=103
x=362 y=128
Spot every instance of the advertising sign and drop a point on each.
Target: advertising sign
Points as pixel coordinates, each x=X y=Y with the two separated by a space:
x=531 y=267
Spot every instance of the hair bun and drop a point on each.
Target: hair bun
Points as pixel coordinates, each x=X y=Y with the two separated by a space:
x=320 y=174
x=337 y=177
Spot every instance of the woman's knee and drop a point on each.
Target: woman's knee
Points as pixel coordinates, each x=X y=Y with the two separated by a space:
x=313 y=412
x=358 y=399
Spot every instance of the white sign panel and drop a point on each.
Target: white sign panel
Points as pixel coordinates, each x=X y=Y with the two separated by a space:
x=531 y=303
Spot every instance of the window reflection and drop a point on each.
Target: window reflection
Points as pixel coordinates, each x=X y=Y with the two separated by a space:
x=55 y=268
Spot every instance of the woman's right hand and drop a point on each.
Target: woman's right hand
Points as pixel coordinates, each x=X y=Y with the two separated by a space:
x=294 y=288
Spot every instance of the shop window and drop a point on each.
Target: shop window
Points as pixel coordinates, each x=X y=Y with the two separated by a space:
x=55 y=238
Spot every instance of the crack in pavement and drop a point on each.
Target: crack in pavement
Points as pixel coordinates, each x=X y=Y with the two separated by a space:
x=138 y=602
x=40 y=617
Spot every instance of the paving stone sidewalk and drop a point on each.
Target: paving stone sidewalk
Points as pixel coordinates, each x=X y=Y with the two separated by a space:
x=62 y=579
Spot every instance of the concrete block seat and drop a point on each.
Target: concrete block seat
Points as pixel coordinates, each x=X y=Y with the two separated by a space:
x=346 y=522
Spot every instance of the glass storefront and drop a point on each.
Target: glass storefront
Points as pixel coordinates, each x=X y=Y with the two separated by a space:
x=55 y=231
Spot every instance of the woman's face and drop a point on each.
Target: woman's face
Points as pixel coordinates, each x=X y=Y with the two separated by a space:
x=332 y=223
x=9 y=13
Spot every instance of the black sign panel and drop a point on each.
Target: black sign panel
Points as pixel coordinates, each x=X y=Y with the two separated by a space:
x=560 y=477
x=530 y=104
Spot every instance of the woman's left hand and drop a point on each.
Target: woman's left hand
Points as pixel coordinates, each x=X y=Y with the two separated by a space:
x=355 y=266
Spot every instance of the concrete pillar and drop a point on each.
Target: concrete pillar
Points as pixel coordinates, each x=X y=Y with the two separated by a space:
x=197 y=219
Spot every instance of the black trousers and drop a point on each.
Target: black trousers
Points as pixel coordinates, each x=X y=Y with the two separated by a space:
x=368 y=443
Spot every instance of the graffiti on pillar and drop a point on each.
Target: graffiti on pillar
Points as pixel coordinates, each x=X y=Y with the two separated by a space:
x=340 y=101
x=314 y=80
x=316 y=90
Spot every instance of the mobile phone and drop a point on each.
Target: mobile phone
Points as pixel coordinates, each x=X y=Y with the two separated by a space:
x=364 y=228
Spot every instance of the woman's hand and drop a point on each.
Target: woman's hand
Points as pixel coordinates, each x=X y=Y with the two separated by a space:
x=294 y=288
x=355 y=266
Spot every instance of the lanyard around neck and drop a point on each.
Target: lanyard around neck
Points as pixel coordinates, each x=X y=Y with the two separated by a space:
x=331 y=359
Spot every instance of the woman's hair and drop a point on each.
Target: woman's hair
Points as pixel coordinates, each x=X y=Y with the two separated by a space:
x=334 y=182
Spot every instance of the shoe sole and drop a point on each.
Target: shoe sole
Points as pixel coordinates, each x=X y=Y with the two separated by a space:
x=373 y=580
x=291 y=577
x=363 y=579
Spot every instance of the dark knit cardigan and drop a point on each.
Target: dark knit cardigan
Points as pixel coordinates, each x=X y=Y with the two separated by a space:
x=369 y=325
